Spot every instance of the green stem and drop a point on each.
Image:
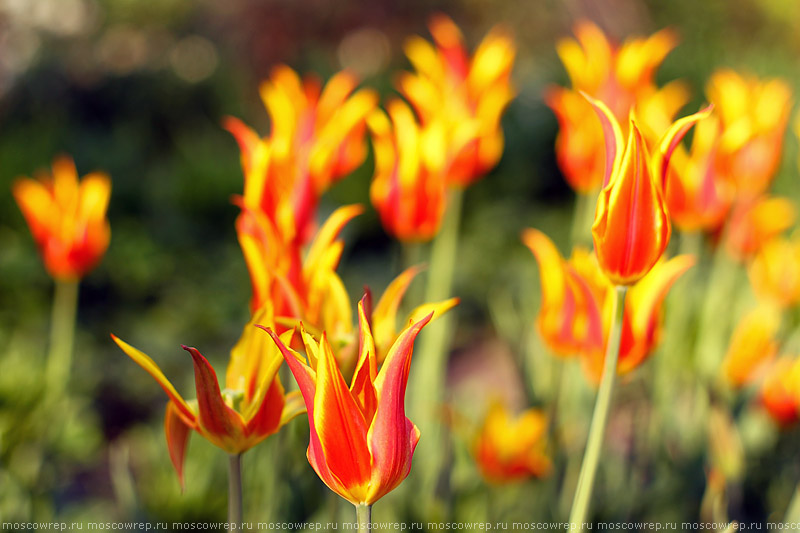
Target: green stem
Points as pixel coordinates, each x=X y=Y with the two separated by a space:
x=591 y=458
x=234 y=491
x=364 y=517
x=427 y=380
x=62 y=334
x=793 y=511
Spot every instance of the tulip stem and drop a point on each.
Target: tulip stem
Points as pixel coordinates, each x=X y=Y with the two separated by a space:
x=591 y=458
x=364 y=517
x=234 y=491
x=62 y=334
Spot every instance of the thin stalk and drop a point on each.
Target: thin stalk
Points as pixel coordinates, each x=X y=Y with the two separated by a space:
x=428 y=378
x=62 y=335
x=364 y=517
x=591 y=457
x=234 y=491
x=793 y=511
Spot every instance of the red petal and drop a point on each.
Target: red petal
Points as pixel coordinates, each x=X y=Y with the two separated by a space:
x=177 y=433
x=392 y=436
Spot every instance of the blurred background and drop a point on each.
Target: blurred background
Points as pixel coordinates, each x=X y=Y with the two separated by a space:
x=139 y=89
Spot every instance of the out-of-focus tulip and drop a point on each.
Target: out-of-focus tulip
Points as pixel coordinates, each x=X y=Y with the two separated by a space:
x=511 y=448
x=775 y=271
x=756 y=221
x=622 y=77
x=576 y=297
x=753 y=346
x=252 y=406
x=631 y=228
x=409 y=187
x=317 y=138
x=754 y=116
x=466 y=96
x=780 y=392
x=697 y=195
x=67 y=218
x=361 y=442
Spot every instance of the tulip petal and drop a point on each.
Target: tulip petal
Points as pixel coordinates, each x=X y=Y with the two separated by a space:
x=392 y=436
x=294 y=406
x=328 y=234
x=144 y=361
x=219 y=423
x=673 y=137
x=267 y=419
x=177 y=433
x=384 y=317
x=612 y=134
x=366 y=367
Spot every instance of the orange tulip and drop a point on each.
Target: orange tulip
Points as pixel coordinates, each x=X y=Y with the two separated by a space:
x=466 y=95
x=779 y=392
x=697 y=195
x=361 y=442
x=622 y=76
x=754 y=115
x=67 y=218
x=576 y=297
x=775 y=271
x=631 y=228
x=317 y=138
x=755 y=221
x=252 y=406
x=511 y=449
x=408 y=188
x=753 y=346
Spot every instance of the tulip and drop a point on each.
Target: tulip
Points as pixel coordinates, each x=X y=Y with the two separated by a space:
x=67 y=218
x=756 y=221
x=775 y=271
x=252 y=406
x=576 y=297
x=361 y=442
x=512 y=448
x=317 y=138
x=753 y=345
x=631 y=228
x=754 y=115
x=467 y=95
x=779 y=392
x=408 y=189
x=622 y=76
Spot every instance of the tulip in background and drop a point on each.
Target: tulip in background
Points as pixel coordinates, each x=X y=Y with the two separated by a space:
x=67 y=218
x=361 y=442
x=512 y=447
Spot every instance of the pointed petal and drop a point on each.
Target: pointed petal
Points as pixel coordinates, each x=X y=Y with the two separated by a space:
x=266 y=420
x=177 y=433
x=366 y=367
x=384 y=317
x=219 y=423
x=392 y=436
x=673 y=137
x=612 y=134
x=328 y=234
x=144 y=361
x=340 y=425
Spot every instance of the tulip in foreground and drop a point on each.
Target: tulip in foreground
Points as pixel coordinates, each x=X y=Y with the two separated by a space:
x=67 y=218
x=251 y=407
x=361 y=442
x=511 y=448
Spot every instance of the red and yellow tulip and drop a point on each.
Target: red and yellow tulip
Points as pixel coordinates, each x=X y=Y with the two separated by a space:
x=780 y=391
x=775 y=271
x=576 y=300
x=631 y=228
x=697 y=194
x=754 y=115
x=409 y=186
x=753 y=346
x=512 y=448
x=317 y=138
x=622 y=77
x=361 y=442
x=252 y=406
x=465 y=96
x=67 y=218
x=755 y=221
